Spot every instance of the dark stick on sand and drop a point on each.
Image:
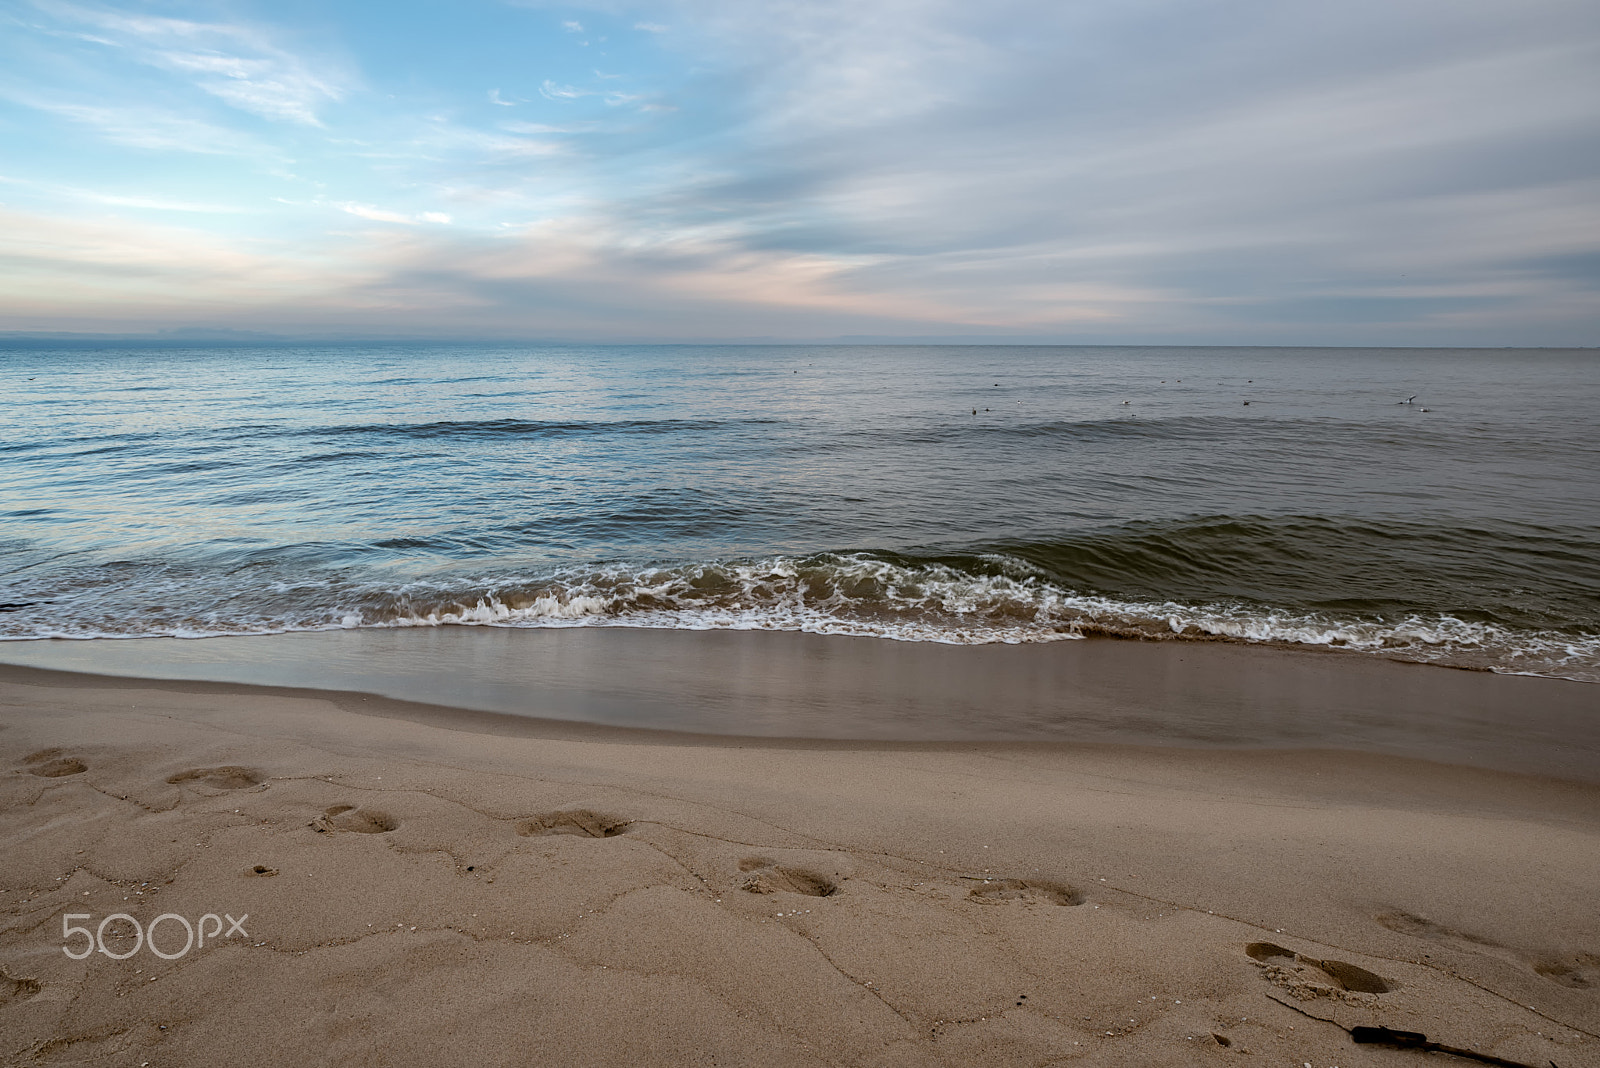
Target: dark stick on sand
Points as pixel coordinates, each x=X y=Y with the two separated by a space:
x=1384 y=1036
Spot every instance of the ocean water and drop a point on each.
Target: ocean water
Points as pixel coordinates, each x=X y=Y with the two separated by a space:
x=943 y=494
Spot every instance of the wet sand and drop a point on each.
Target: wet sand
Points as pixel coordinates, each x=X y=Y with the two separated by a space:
x=427 y=885
x=763 y=684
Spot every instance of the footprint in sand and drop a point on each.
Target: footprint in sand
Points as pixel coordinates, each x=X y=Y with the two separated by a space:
x=50 y=764
x=1408 y=923
x=358 y=820
x=1310 y=977
x=1036 y=891
x=577 y=821
x=1581 y=971
x=16 y=989
x=227 y=777
x=768 y=878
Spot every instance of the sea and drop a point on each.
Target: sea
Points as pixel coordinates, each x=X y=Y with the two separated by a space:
x=1437 y=505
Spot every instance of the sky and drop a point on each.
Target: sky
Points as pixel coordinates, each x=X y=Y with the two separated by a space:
x=1403 y=172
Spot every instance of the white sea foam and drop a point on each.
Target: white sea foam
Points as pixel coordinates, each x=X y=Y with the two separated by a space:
x=850 y=594
x=869 y=597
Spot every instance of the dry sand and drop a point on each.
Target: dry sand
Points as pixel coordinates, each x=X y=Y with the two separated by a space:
x=430 y=887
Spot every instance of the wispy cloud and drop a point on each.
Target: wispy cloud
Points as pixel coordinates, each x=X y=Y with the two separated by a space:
x=236 y=63
x=611 y=97
x=551 y=91
x=267 y=87
x=144 y=127
x=550 y=128
x=842 y=63
x=54 y=191
x=463 y=144
x=368 y=211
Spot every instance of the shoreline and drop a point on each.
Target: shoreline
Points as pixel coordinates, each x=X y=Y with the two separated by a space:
x=808 y=687
x=428 y=886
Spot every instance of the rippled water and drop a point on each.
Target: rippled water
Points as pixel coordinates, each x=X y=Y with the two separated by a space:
x=945 y=494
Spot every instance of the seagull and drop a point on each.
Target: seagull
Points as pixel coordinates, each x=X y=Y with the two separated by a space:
x=1408 y=400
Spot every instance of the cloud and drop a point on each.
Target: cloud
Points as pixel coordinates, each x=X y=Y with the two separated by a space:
x=585 y=276
x=611 y=97
x=551 y=91
x=143 y=203
x=236 y=63
x=572 y=27
x=146 y=127
x=549 y=128
x=56 y=269
x=833 y=63
x=1244 y=157
x=461 y=144
x=1148 y=171
x=367 y=211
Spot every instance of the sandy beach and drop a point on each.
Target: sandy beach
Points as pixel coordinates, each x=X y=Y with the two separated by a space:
x=849 y=533
x=415 y=884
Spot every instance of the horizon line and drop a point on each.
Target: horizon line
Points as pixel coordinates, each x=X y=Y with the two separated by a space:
x=253 y=339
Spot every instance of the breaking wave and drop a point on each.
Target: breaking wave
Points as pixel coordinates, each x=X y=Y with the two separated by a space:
x=986 y=598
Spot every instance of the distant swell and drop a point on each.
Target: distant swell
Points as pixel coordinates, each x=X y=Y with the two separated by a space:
x=490 y=429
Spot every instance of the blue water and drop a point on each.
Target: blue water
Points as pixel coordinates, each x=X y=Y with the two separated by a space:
x=959 y=494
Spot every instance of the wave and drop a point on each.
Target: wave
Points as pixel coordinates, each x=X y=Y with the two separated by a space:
x=1120 y=428
x=1045 y=433
x=1517 y=575
x=491 y=429
x=985 y=598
